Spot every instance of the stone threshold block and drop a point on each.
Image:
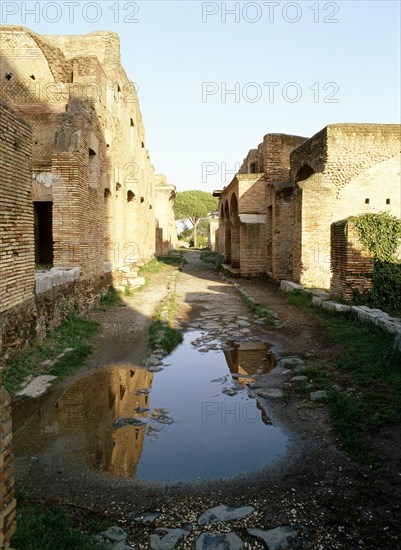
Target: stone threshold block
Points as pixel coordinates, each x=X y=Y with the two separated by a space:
x=57 y=276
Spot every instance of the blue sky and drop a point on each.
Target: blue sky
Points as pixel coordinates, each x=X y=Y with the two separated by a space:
x=292 y=67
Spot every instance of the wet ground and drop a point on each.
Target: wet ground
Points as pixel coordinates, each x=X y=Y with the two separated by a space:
x=123 y=437
x=195 y=419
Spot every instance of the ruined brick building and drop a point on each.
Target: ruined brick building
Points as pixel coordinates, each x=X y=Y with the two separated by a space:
x=92 y=184
x=275 y=217
x=79 y=197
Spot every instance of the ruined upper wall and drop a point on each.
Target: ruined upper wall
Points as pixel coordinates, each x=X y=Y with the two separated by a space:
x=272 y=157
x=343 y=151
x=277 y=149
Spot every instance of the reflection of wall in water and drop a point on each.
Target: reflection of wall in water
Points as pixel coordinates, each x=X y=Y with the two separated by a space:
x=249 y=358
x=90 y=406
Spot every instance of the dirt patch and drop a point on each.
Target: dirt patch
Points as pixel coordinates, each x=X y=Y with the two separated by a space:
x=336 y=502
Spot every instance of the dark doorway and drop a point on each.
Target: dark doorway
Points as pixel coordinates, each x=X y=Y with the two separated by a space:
x=43 y=233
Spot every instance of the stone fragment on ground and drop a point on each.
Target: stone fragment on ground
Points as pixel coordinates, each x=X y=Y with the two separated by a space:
x=145 y=518
x=166 y=539
x=122 y=546
x=224 y=513
x=152 y=361
x=229 y=391
x=114 y=534
x=155 y=369
x=219 y=541
x=38 y=386
x=270 y=393
x=318 y=395
x=300 y=378
x=289 y=362
x=275 y=539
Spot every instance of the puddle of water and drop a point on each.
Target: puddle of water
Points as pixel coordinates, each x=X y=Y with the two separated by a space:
x=175 y=425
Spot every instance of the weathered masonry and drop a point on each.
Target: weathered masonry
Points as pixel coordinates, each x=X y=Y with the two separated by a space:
x=275 y=217
x=166 y=232
x=256 y=210
x=344 y=170
x=93 y=181
x=16 y=278
x=86 y=207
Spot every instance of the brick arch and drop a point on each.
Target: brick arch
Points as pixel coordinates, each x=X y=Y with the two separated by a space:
x=233 y=207
x=235 y=231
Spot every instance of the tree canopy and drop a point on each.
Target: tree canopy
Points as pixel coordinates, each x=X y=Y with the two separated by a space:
x=194 y=206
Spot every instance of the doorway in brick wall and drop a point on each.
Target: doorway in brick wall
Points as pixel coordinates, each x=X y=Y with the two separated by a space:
x=43 y=215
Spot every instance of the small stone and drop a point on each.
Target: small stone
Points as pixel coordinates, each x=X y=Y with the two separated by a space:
x=37 y=387
x=152 y=361
x=146 y=518
x=122 y=545
x=166 y=539
x=155 y=369
x=114 y=534
x=242 y=323
x=224 y=513
x=215 y=541
x=229 y=391
x=318 y=395
x=275 y=539
x=300 y=378
x=270 y=393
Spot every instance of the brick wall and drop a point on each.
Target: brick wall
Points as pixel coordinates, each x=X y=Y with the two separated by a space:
x=166 y=231
x=49 y=76
x=352 y=264
x=282 y=228
x=17 y=260
x=344 y=170
x=78 y=197
x=213 y=235
x=7 y=501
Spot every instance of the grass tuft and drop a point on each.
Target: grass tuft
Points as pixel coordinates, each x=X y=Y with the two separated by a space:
x=109 y=300
x=50 y=528
x=71 y=333
x=260 y=310
x=211 y=257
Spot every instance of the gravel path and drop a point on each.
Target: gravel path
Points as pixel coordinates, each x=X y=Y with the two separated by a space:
x=326 y=500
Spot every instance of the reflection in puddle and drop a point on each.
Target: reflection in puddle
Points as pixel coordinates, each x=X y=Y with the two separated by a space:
x=193 y=420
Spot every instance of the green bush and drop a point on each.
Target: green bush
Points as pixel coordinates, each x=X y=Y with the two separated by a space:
x=381 y=235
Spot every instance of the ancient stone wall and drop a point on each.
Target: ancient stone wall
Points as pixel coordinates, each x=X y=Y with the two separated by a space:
x=212 y=234
x=282 y=229
x=17 y=260
x=352 y=264
x=75 y=87
x=166 y=231
x=344 y=170
x=7 y=501
x=277 y=149
x=265 y=197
